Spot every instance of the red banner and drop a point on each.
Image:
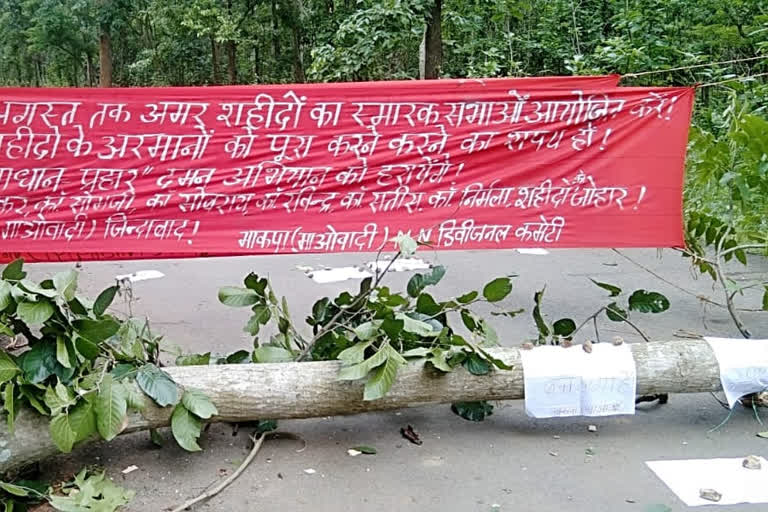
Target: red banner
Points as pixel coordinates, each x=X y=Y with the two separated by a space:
x=464 y=164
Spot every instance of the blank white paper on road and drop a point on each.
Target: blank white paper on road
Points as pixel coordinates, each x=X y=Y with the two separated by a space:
x=562 y=382
x=687 y=478
x=743 y=366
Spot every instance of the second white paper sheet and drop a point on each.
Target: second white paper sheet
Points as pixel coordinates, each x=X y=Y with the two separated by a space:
x=562 y=382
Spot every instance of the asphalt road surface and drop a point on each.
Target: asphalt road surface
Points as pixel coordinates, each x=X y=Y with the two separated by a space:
x=509 y=462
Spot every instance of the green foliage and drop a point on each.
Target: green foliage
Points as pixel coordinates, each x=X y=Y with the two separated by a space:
x=641 y=301
x=91 y=492
x=472 y=411
x=158 y=385
x=84 y=368
x=377 y=331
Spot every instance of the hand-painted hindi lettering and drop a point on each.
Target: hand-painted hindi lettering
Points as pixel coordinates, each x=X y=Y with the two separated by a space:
x=743 y=366
x=481 y=164
x=563 y=382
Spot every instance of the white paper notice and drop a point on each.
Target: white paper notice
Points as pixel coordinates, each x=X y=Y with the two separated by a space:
x=743 y=366
x=687 y=478
x=563 y=382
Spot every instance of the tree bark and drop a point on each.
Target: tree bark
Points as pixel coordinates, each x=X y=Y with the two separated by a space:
x=298 y=61
x=433 y=45
x=214 y=61
x=232 y=62
x=275 y=32
x=249 y=392
x=105 y=56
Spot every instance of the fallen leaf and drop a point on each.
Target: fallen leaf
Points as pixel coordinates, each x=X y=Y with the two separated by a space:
x=353 y=453
x=310 y=471
x=764 y=435
x=590 y=451
x=367 y=450
x=554 y=454
x=411 y=435
x=130 y=469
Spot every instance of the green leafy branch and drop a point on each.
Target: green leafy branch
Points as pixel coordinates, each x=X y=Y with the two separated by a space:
x=376 y=331
x=564 y=329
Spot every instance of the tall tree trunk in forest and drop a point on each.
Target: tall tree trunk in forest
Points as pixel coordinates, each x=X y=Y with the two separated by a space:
x=231 y=53
x=298 y=61
x=214 y=61
x=89 y=69
x=256 y=62
x=433 y=44
x=105 y=50
x=232 y=62
x=38 y=72
x=275 y=32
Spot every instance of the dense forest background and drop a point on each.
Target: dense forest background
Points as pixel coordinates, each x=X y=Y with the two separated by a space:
x=206 y=42
x=82 y=43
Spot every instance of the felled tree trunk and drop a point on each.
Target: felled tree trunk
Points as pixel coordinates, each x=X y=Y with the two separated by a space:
x=250 y=392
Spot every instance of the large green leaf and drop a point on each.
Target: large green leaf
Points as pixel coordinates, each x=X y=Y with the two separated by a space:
x=476 y=365
x=360 y=370
x=498 y=289
x=65 y=284
x=158 y=385
x=8 y=367
x=111 y=408
x=564 y=327
x=40 y=362
x=354 y=354
x=272 y=354
x=198 y=404
x=612 y=289
x=415 y=285
x=39 y=289
x=381 y=380
x=13 y=271
x=368 y=330
x=238 y=297
x=426 y=305
x=417 y=327
x=186 y=428
x=87 y=348
x=96 y=331
x=62 y=433
x=418 y=282
x=104 y=300
x=82 y=420
x=5 y=295
x=648 y=302
x=135 y=399
x=35 y=313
